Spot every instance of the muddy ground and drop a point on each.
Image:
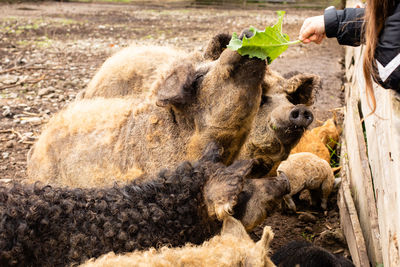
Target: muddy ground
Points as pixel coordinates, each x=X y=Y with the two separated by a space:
x=49 y=52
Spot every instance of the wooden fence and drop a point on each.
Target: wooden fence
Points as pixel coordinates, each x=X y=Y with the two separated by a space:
x=369 y=198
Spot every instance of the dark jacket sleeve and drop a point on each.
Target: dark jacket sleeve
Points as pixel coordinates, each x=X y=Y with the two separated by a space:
x=345 y=25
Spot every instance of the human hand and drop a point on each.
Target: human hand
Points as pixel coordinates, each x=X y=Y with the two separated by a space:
x=313 y=30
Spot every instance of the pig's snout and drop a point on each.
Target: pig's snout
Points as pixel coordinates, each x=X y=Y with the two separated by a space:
x=284 y=180
x=301 y=116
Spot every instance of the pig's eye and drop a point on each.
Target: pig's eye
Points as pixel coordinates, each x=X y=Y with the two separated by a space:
x=264 y=100
x=198 y=79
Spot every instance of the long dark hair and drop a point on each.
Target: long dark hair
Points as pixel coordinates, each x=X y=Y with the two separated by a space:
x=376 y=13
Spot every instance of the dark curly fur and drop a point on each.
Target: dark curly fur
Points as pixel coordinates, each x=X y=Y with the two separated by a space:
x=305 y=254
x=47 y=226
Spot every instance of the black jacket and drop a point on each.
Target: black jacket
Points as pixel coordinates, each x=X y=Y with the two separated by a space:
x=346 y=26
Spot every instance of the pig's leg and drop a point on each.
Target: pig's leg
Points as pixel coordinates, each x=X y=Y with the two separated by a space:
x=326 y=189
x=289 y=201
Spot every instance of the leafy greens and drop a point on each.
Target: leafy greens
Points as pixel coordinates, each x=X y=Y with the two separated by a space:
x=267 y=44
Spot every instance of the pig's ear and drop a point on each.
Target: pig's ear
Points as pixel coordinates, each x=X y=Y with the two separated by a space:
x=266 y=238
x=232 y=226
x=176 y=86
x=301 y=88
x=216 y=45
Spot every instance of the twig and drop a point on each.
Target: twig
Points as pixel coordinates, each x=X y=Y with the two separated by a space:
x=17 y=133
x=15 y=68
x=12 y=131
x=30 y=114
x=28 y=142
x=29 y=67
x=340 y=250
x=24 y=82
x=303 y=212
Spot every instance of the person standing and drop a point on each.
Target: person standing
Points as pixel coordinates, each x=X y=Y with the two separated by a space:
x=377 y=26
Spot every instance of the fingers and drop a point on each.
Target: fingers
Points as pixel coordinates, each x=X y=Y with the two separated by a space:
x=306 y=30
x=314 y=38
x=312 y=30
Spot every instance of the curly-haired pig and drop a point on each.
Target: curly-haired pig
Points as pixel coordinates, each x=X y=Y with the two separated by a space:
x=279 y=123
x=61 y=226
x=306 y=170
x=281 y=120
x=233 y=247
x=195 y=102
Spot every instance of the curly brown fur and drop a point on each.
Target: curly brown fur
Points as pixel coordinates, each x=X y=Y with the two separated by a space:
x=274 y=131
x=306 y=170
x=191 y=104
x=232 y=248
x=273 y=134
x=48 y=226
x=57 y=226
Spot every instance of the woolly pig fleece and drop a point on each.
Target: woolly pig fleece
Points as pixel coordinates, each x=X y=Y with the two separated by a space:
x=233 y=247
x=98 y=141
x=306 y=170
x=46 y=226
x=135 y=73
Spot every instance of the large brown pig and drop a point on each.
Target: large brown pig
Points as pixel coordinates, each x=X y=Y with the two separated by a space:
x=99 y=141
x=280 y=122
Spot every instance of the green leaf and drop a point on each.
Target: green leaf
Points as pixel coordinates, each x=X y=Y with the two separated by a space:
x=267 y=44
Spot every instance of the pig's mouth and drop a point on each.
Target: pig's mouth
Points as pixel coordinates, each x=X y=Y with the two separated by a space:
x=295 y=130
x=288 y=134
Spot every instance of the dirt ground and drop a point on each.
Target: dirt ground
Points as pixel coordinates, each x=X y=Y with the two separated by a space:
x=49 y=52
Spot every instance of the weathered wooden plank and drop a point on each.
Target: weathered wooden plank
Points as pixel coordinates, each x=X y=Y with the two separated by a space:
x=349 y=218
x=359 y=175
x=383 y=135
x=382 y=131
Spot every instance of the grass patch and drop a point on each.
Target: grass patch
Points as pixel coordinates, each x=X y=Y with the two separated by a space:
x=41 y=42
x=333 y=153
x=308 y=237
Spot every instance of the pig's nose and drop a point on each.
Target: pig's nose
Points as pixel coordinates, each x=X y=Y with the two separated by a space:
x=301 y=116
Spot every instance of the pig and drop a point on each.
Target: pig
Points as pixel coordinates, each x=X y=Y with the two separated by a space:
x=43 y=225
x=306 y=170
x=232 y=247
x=319 y=140
x=281 y=119
x=103 y=140
x=305 y=254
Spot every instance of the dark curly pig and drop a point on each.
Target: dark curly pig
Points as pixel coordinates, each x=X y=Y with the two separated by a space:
x=48 y=226
x=305 y=254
